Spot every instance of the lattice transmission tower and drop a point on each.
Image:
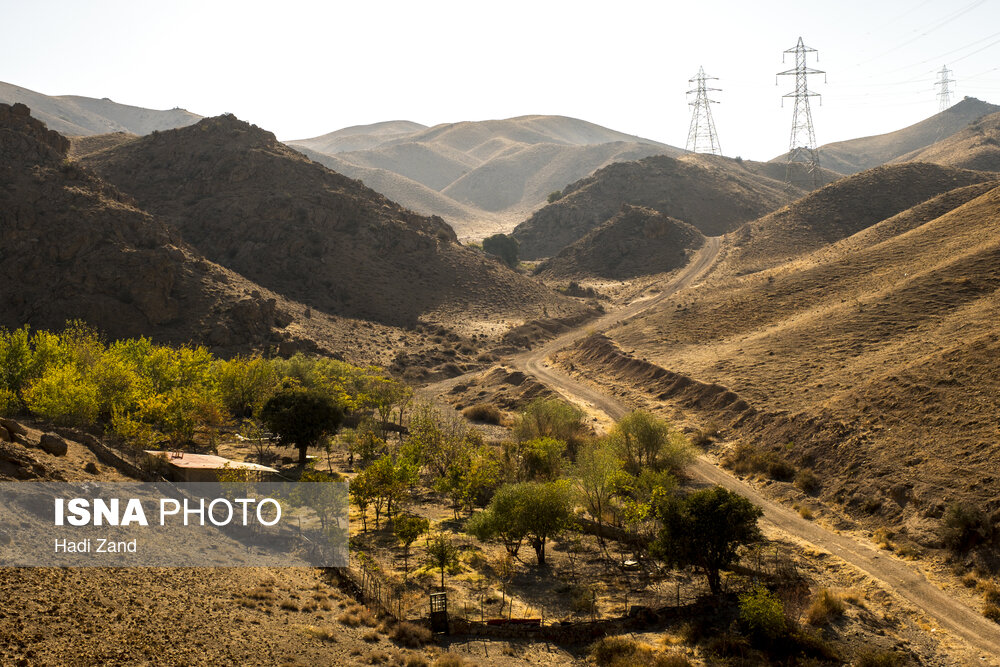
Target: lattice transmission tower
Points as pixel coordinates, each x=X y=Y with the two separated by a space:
x=702 y=137
x=802 y=146
x=944 y=95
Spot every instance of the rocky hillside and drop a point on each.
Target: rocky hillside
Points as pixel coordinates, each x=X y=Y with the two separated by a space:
x=975 y=147
x=841 y=209
x=854 y=155
x=72 y=246
x=636 y=242
x=254 y=205
x=714 y=194
x=72 y=115
x=480 y=176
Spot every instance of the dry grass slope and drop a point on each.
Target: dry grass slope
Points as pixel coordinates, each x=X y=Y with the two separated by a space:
x=839 y=210
x=874 y=360
x=854 y=155
x=975 y=147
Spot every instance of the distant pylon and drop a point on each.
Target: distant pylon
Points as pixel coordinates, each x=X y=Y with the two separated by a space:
x=802 y=146
x=944 y=95
x=701 y=135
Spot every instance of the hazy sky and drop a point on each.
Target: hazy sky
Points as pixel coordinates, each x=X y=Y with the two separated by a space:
x=302 y=69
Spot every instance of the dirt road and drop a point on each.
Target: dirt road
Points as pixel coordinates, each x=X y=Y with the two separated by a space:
x=902 y=577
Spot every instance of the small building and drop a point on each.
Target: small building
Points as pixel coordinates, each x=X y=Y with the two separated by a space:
x=187 y=467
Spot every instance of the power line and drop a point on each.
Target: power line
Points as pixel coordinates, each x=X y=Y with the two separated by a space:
x=934 y=26
x=802 y=144
x=944 y=95
x=702 y=137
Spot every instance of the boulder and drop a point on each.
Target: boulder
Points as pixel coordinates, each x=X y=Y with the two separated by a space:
x=53 y=444
x=5 y=435
x=13 y=428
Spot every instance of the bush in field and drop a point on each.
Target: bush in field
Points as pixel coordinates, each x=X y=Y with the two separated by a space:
x=646 y=441
x=762 y=613
x=503 y=246
x=483 y=412
x=965 y=527
x=541 y=458
x=552 y=418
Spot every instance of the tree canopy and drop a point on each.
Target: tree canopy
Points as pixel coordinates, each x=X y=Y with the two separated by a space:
x=301 y=417
x=704 y=530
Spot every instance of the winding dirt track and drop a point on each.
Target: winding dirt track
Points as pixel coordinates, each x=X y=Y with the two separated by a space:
x=904 y=579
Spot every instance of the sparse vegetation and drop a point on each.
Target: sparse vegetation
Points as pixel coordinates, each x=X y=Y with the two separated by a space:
x=485 y=413
x=825 y=607
x=965 y=527
x=503 y=246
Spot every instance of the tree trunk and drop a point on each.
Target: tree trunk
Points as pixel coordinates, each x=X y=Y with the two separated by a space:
x=302 y=455
x=714 y=582
x=539 y=546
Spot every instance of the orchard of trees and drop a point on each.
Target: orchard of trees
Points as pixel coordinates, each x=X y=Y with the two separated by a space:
x=153 y=396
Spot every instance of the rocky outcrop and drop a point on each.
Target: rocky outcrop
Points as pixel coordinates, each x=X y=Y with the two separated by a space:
x=53 y=444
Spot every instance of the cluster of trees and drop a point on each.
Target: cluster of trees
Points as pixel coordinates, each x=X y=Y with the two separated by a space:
x=529 y=488
x=153 y=395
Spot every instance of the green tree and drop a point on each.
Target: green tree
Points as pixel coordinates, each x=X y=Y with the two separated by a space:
x=245 y=384
x=301 y=417
x=323 y=493
x=442 y=554
x=64 y=395
x=645 y=441
x=598 y=473
x=503 y=246
x=361 y=496
x=407 y=528
x=705 y=530
x=541 y=458
x=533 y=510
x=552 y=418
x=554 y=196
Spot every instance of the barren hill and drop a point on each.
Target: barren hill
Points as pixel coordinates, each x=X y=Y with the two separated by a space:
x=251 y=203
x=854 y=155
x=874 y=360
x=480 y=176
x=713 y=194
x=975 y=147
x=638 y=241
x=360 y=137
x=841 y=209
x=71 y=246
x=72 y=115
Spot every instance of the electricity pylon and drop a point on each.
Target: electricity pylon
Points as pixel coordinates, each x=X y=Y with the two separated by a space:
x=944 y=95
x=802 y=146
x=701 y=135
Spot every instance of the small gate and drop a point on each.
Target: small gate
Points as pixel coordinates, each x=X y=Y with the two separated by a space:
x=439 y=612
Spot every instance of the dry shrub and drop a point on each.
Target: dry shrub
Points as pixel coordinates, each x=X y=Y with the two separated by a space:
x=416 y=660
x=624 y=652
x=486 y=413
x=411 y=634
x=746 y=459
x=874 y=657
x=350 y=619
x=324 y=634
x=261 y=593
x=805 y=513
x=289 y=605
x=826 y=606
x=807 y=481
x=970 y=580
x=992 y=612
x=991 y=594
x=377 y=658
x=371 y=636
x=450 y=660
